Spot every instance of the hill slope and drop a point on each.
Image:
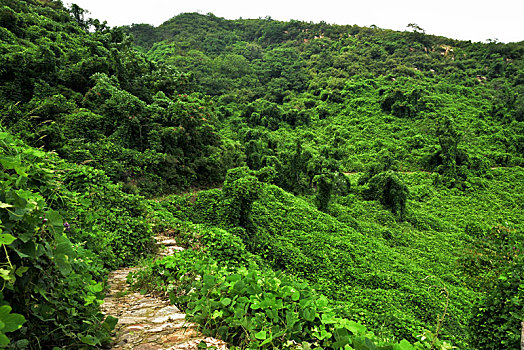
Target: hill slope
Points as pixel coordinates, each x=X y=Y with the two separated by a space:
x=334 y=124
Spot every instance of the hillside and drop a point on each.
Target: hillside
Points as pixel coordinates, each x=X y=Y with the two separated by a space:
x=358 y=90
x=336 y=187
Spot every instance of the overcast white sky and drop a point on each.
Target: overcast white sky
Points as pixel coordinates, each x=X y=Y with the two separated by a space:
x=475 y=20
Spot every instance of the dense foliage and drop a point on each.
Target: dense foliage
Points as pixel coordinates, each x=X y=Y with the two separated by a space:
x=62 y=224
x=260 y=309
x=369 y=182
x=358 y=91
x=381 y=270
x=92 y=98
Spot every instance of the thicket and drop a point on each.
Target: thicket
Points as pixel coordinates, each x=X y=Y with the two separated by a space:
x=291 y=235
x=63 y=226
x=396 y=277
x=77 y=87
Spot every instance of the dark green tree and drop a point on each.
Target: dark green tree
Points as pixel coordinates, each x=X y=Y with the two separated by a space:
x=324 y=184
x=241 y=188
x=390 y=191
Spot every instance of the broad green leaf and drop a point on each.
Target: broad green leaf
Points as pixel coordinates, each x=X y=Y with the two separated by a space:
x=55 y=220
x=295 y=296
x=12 y=322
x=309 y=314
x=268 y=340
x=291 y=319
x=25 y=237
x=22 y=180
x=64 y=246
x=89 y=340
x=262 y=335
x=110 y=323
x=21 y=270
x=341 y=342
x=89 y=299
x=405 y=345
x=328 y=319
x=217 y=314
x=322 y=301
x=63 y=264
x=325 y=334
x=10 y=162
x=64 y=253
x=225 y=301
x=95 y=288
x=6 y=274
x=6 y=238
x=355 y=328
x=306 y=346
x=20 y=170
x=3 y=339
x=272 y=314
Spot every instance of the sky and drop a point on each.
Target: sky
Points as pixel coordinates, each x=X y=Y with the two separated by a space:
x=475 y=20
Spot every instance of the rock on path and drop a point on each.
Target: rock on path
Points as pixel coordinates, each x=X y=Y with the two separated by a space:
x=148 y=322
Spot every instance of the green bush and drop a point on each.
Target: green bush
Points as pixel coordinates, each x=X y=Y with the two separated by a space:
x=112 y=223
x=223 y=246
x=239 y=191
x=206 y=207
x=390 y=191
x=52 y=285
x=497 y=318
x=260 y=309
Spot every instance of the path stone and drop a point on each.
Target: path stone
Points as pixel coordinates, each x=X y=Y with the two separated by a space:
x=148 y=322
x=167 y=246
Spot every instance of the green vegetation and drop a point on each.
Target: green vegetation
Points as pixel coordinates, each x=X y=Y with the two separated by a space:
x=62 y=225
x=376 y=269
x=355 y=188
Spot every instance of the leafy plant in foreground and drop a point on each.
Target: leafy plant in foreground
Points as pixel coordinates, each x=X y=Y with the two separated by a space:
x=260 y=309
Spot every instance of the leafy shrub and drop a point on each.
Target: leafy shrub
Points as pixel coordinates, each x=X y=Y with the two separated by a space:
x=112 y=223
x=206 y=207
x=52 y=286
x=239 y=191
x=223 y=245
x=260 y=309
x=497 y=317
x=390 y=191
x=324 y=189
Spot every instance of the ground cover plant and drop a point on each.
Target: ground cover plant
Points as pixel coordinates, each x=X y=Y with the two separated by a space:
x=345 y=187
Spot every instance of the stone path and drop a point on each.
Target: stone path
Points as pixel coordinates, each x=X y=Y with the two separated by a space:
x=148 y=322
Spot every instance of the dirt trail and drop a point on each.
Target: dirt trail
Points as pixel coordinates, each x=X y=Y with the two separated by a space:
x=148 y=322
